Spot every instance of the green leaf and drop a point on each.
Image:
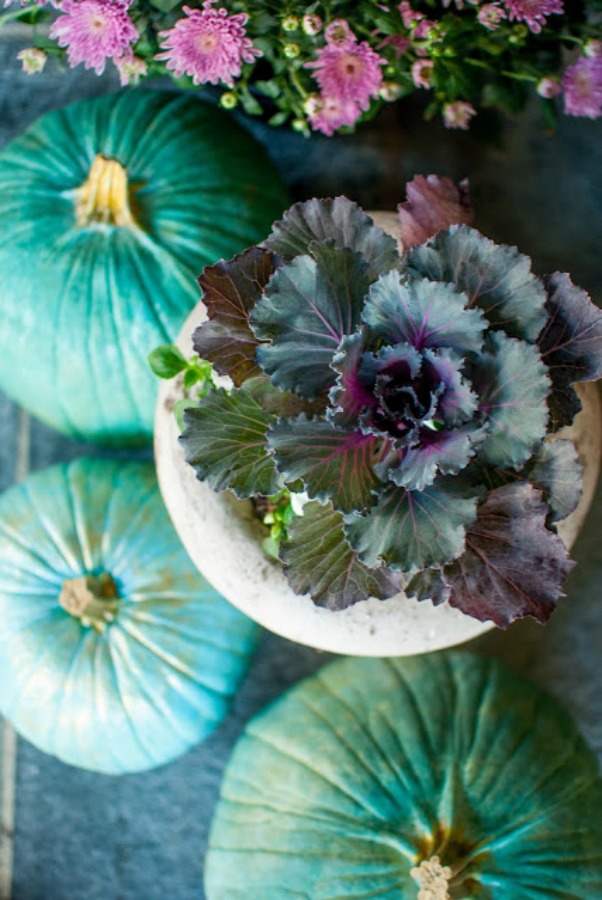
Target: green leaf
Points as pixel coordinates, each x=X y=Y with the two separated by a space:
x=164 y=5
x=411 y=530
x=225 y=441
x=230 y=291
x=335 y=464
x=166 y=361
x=513 y=565
x=309 y=305
x=248 y=102
x=343 y=222
x=319 y=561
x=268 y=88
x=512 y=384
x=278 y=119
x=496 y=278
x=190 y=379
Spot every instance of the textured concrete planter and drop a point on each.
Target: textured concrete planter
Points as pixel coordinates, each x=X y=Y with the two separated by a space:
x=223 y=537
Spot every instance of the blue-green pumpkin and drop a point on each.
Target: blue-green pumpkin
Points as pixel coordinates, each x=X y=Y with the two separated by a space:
x=433 y=777
x=115 y=654
x=110 y=209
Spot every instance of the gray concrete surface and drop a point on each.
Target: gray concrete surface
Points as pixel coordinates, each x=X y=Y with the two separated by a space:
x=80 y=836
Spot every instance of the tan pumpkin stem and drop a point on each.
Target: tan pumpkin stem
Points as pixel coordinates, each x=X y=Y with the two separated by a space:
x=433 y=878
x=104 y=196
x=91 y=598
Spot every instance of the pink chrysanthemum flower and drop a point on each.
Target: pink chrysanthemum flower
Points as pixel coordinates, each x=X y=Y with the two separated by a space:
x=548 y=88
x=408 y=15
x=209 y=45
x=328 y=114
x=94 y=31
x=582 y=86
x=490 y=16
x=533 y=12
x=458 y=114
x=349 y=72
x=422 y=72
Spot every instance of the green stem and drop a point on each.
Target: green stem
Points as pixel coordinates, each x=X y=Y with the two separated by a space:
x=297 y=84
x=17 y=13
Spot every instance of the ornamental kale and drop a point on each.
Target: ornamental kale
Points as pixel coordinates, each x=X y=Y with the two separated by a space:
x=408 y=395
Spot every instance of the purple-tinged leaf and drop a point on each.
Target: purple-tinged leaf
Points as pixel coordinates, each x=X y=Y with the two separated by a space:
x=458 y=403
x=439 y=452
x=512 y=384
x=433 y=203
x=320 y=562
x=230 y=291
x=342 y=221
x=513 y=566
x=556 y=469
x=411 y=530
x=423 y=313
x=334 y=464
x=495 y=277
x=570 y=344
x=225 y=441
x=350 y=396
x=309 y=305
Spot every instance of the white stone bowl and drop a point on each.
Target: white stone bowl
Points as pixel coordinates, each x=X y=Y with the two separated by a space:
x=223 y=537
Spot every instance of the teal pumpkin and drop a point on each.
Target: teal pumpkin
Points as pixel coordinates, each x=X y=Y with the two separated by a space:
x=115 y=654
x=110 y=209
x=441 y=776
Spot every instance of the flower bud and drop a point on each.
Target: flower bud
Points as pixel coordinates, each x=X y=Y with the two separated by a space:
x=228 y=100
x=311 y=24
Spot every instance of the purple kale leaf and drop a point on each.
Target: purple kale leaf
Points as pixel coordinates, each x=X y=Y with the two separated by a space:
x=570 y=344
x=495 y=278
x=337 y=220
x=513 y=565
x=307 y=308
x=230 y=291
x=433 y=204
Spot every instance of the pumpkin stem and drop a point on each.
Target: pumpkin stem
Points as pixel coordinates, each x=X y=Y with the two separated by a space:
x=433 y=878
x=91 y=598
x=104 y=196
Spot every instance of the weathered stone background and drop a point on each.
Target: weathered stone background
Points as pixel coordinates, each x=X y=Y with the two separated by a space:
x=80 y=836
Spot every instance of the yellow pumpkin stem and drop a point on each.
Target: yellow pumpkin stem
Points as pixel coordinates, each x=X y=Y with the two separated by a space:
x=104 y=196
x=433 y=878
x=91 y=598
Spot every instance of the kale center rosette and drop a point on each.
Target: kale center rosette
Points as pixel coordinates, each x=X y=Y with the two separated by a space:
x=409 y=397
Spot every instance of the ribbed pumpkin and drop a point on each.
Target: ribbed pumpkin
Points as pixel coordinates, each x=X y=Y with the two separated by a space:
x=110 y=208
x=432 y=777
x=115 y=654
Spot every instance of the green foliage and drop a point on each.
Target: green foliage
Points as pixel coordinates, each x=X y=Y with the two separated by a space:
x=484 y=66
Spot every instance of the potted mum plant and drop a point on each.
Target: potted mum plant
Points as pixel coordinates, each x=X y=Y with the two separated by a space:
x=327 y=66
x=393 y=414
